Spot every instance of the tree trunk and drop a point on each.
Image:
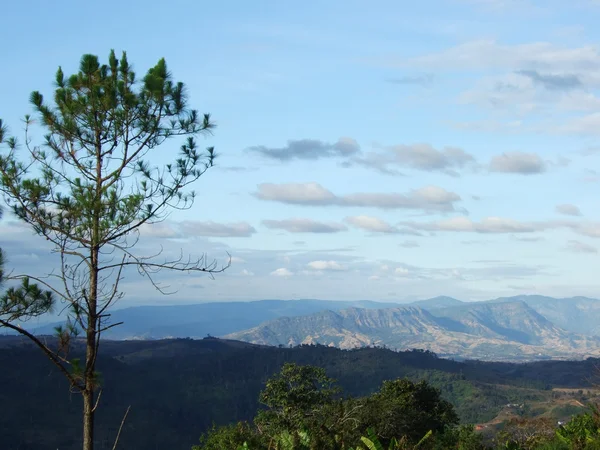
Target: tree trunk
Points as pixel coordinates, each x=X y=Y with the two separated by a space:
x=88 y=419
x=91 y=352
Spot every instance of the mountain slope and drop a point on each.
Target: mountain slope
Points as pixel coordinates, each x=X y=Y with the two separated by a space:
x=487 y=331
x=514 y=321
x=577 y=314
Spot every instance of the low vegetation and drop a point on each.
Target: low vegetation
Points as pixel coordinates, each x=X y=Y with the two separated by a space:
x=304 y=411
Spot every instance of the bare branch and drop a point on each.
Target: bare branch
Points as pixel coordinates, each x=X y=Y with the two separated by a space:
x=121 y=427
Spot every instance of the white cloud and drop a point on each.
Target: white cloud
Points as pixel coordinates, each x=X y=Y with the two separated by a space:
x=429 y=198
x=369 y=223
x=161 y=230
x=281 y=272
x=296 y=193
x=325 y=265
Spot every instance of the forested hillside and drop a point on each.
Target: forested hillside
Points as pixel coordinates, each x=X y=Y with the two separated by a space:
x=178 y=388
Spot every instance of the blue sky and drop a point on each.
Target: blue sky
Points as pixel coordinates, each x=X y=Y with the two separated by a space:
x=377 y=150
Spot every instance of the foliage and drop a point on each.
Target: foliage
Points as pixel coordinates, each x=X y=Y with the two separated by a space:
x=229 y=436
x=304 y=413
x=582 y=432
x=404 y=408
x=527 y=433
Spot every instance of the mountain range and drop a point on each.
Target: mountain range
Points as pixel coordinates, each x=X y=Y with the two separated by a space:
x=509 y=328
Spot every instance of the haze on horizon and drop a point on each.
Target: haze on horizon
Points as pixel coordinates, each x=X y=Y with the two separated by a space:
x=366 y=150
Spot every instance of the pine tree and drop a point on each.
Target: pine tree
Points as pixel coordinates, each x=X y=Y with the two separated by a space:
x=88 y=189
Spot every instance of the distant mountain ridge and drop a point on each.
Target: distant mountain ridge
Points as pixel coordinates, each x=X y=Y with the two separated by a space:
x=490 y=330
x=215 y=318
x=525 y=326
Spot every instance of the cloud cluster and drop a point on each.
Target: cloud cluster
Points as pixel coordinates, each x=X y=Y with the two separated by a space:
x=422 y=157
x=521 y=80
x=392 y=160
x=427 y=199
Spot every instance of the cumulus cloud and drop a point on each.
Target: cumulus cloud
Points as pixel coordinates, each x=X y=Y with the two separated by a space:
x=422 y=157
x=297 y=225
x=325 y=265
x=429 y=198
x=297 y=194
x=281 y=272
x=518 y=162
x=580 y=247
x=369 y=223
x=214 y=229
x=309 y=149
x=568 y=209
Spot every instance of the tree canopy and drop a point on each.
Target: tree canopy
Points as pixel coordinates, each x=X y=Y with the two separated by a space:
x=89 y=187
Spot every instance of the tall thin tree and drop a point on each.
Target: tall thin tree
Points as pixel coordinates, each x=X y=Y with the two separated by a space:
x=89 y=188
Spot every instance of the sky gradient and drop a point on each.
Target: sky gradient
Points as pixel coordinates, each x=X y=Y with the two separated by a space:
x=367 y=150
